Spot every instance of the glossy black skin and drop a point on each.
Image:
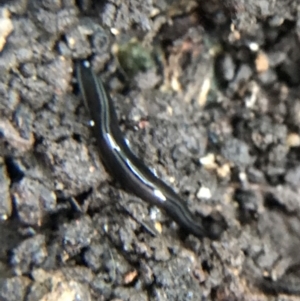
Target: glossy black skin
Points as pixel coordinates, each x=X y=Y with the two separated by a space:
x=123 y=164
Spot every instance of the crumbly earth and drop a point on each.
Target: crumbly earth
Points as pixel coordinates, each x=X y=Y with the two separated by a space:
x=213 y=106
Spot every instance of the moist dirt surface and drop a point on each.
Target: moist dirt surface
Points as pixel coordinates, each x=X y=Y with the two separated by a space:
x=207 y=94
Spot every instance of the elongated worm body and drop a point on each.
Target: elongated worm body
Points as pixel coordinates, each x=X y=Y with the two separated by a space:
x=124 y=165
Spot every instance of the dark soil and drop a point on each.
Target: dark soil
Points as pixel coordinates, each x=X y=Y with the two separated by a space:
x=207 y=93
